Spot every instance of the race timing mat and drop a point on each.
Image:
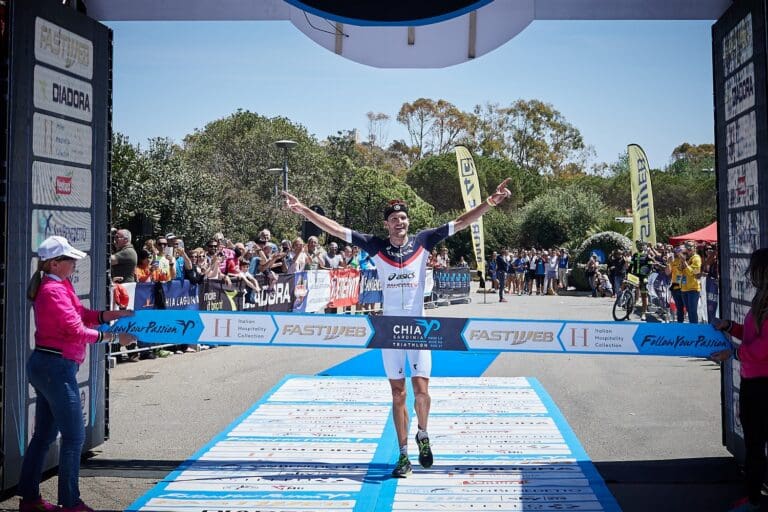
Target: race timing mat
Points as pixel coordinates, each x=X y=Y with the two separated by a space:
x=329 y=444
x=422 y=333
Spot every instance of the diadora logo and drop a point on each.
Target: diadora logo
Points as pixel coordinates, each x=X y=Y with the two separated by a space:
x=406 y=275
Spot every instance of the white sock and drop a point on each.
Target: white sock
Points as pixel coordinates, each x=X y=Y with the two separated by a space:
x=404 y=450
x=421 y=434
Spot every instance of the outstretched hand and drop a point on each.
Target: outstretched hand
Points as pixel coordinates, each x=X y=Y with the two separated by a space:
x=501 y=193
x=292 y=202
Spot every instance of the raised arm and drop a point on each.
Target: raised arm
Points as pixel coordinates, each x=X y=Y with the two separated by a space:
x=324 y=223
x=467 y=218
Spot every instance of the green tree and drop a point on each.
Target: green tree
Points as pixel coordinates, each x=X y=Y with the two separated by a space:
x=238 y=150
x=559 y=216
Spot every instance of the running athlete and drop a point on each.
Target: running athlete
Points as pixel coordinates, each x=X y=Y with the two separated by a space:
x=404 y=258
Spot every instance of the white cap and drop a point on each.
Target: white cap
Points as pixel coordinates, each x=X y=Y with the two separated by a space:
x=56 y=246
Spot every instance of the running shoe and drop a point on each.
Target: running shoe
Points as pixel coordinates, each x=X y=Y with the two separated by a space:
x=403 y=468
x=38 y=505
x=425 y=452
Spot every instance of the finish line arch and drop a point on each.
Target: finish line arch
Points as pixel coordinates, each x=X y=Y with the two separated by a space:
x=78 y=49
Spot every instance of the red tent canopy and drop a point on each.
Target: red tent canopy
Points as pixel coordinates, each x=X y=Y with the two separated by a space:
x=707 y=234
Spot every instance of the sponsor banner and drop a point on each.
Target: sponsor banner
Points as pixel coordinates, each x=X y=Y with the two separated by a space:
x=62 y=94
x=318 y=291
x=744 y=231
x=413 y=333
x=63 y=49
x=738 y=45
x=451 y=282
x=511 y=336
x=277 y=296
x=300 y=291
x=329 y=330
x=59 y=185
x=74 y=226
x=171 y=295
x=370 y=287
x=741 y=138
x=643 y=216
x=416 y=333
x=215 y=295
x=470 y=193
x=61 y=140
x=740 y=92
x=742 y=185
x=345 y=287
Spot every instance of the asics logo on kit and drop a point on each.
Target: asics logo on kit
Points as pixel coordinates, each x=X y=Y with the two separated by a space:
x=407 y=275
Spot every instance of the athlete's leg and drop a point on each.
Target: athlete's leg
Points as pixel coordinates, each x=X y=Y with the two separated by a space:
x=399 y=411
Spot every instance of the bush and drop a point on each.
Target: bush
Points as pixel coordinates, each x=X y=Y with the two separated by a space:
x=605 y=242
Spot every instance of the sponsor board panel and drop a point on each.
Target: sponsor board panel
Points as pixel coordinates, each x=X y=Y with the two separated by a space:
x=741 y=285
x=339 y=330
x=741 y=138
x=61 y=140
x=740 y=92
x=744 y=231
x=511 y=336
x=739 y=311
x=738 y=45
x=63 y=49
x=60 y=185
x=74 y=226
x=599 y=337
x=62 y=94
x=318 y=290
x=743 y=185
x=81 y=278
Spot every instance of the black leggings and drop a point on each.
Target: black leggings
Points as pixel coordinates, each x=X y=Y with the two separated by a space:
x=753 y=413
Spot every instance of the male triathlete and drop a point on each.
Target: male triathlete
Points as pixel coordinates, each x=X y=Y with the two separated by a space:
x=404 y=258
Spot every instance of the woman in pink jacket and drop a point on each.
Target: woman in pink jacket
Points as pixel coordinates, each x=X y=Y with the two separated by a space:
x=63 y=331
x=753 y=391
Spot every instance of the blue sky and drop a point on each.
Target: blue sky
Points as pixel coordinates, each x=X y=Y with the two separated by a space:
x=618 y=82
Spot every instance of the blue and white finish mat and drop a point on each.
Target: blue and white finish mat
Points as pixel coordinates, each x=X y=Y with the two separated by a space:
x=328 y=444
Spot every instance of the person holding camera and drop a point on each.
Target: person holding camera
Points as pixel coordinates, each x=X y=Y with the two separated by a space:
x=63 y=330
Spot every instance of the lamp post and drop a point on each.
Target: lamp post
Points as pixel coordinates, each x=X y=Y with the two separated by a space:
x=285 y=145
x=276 y=171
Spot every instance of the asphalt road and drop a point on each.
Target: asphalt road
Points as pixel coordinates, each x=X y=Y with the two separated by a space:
x=651 y=425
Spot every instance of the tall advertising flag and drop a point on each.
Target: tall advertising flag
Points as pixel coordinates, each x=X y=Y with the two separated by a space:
x=470 y=191
x=644 y=218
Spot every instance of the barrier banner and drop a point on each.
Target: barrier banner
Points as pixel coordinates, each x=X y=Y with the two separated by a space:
x=300 y=291
x=216 y=295
x=451 y=282
x=713 y=297
x=429 y=282
x=370 y=287
x=345 y=287
x=423 y=333
x=318 y=291
x=170 y=295
x=278 y=296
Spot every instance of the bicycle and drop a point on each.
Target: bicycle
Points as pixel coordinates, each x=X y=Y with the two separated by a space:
x=625 y=301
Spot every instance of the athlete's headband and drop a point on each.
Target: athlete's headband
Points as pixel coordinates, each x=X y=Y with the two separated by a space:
x=396 y=205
